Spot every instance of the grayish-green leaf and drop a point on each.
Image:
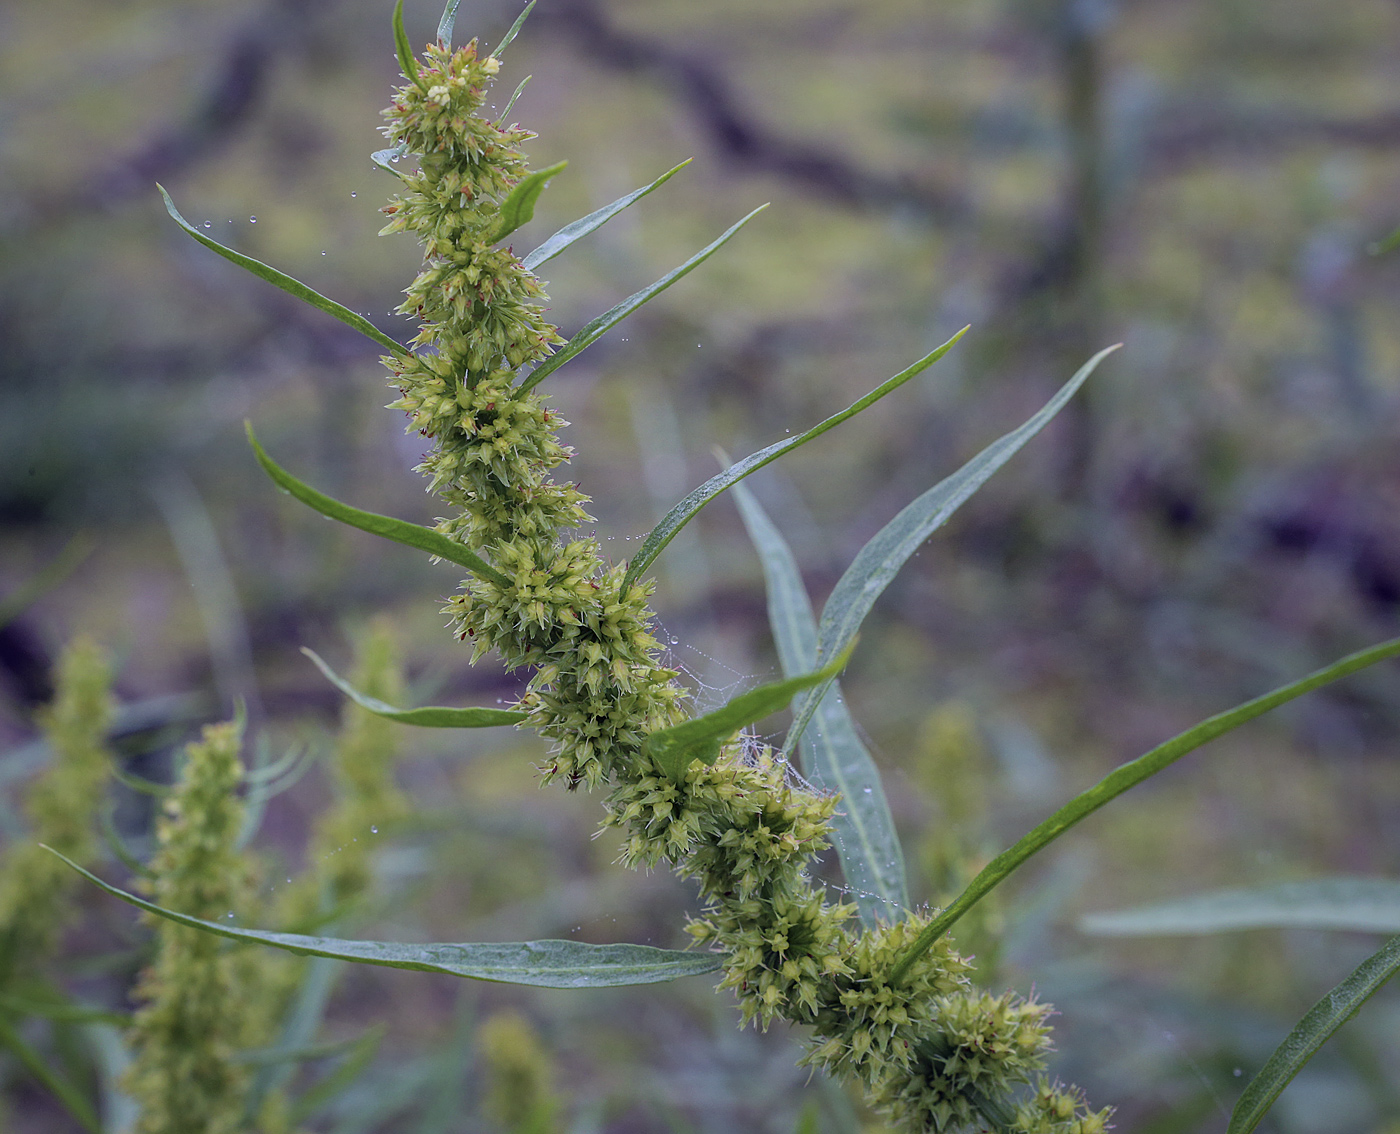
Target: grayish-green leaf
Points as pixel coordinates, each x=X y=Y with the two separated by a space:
x=610 y=318
x=1313 y=1030
x=877 y=563
x=72 y=1098
x=833 y=757
x=1118 y=781
x=78 y=548
x=572 y=233
x=357 y=1059
x=447 y=23
x=519 y=207
x=407 y=63
x=510 y=104
x=1363 y=905
x=685 y=511
x=674 y=748
x=514 y=30
x=286 y=283
x=542 y=964
x=400 y=531
x=426 y=717
x=384 y=158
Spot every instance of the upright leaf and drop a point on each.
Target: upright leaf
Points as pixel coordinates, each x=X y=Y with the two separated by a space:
x=514 y=30
x=542 y=964
x=1360 y=905
x=1118 y=781
x=572 y=233
x=400 y=531
x=833 y=757
x=1313 y=1030
x=407 y=63
x=447 y=23
x=610 y=318
x=519 y=207
x=286 y=283
x=427 y=716
x=877 y=563
x=674 y=748
x=685 y=511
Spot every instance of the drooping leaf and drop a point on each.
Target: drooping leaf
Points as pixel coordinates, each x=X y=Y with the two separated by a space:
x=514 y=30
x=674 y=748
x=1360 y=905
x=426 y=717
x=400 y=531
x=519 y=207
x=541 y=964
x=595 y=330
x=403 y=49
x=1122 y=778
x=286 y=283
x=384 y=158
x=572 y=233
x=1313 y=1030
x=877 y=563
x=833 y=757
x=447 y=23
x=685 y=511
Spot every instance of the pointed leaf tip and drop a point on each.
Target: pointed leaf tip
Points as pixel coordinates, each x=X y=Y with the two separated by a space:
x=404 y=49
x=425 y=717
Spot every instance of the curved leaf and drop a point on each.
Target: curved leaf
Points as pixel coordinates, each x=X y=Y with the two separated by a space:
x=833 y=757
x=1122 y=778
x=1313 y=1030
x=685 y=511
x=286 y=283
x=1362 y=905
x=674 y=748
x=74 y=1099
x=573 y=233
x=514 y=30
x=542 y=964
x=877 y=563
x=426 y=717
x=403 y=49
x=400 y=531
x=595 y=330
x=519 y=207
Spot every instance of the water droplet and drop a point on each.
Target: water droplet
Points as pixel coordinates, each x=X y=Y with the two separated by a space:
x=1238 y=1072
x=208 y=224
x=675 y=641
x=353 y=193
x=252 y=220
x=866 y=790
x=230 y=913
x=323 y=251
x=374 y=830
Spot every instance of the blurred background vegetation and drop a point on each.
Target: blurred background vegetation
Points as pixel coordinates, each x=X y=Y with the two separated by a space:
x=1201 y=180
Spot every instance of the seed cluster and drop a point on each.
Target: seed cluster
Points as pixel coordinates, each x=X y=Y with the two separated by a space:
x=932 y=1051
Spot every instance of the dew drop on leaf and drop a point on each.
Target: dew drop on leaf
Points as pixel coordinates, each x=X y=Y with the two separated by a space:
x=252 y=220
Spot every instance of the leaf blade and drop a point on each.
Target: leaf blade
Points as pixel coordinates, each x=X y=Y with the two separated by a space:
x=287 y=283
x=574 y=232
x=429 y=716
x=539 y=964
x=595 y=329
x=519 y=206
x=403 y=49
x=1357 y=905
x=834 y=758
x=877 y=563
x=447 y=23
x=686 y=510
x=1121 y=779
x=387 y=527
x=514 y=30
x=674 y=748
x=1322 y=1021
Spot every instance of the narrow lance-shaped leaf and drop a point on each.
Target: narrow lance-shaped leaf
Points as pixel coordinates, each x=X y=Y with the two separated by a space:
x=686 y=510
x=514 y=30
x=510 y=103
x=74 y=1099
x=426 y=717
x=519 y=207
x=877 y=563
x=1118 y=781
x=447 y=23
x=833 y=757
x=1358 y=905
x=286 y=283
x=572 y=233
x=400 y=531
x=1313 y=1030
x=610 y=318
x=403 y=49
x=674 y=748
x=542 y=964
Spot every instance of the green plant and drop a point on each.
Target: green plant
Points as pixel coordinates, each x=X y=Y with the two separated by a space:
x=889 y=1003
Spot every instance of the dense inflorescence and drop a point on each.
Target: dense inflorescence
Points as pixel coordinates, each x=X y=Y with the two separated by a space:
x=933 y=1053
